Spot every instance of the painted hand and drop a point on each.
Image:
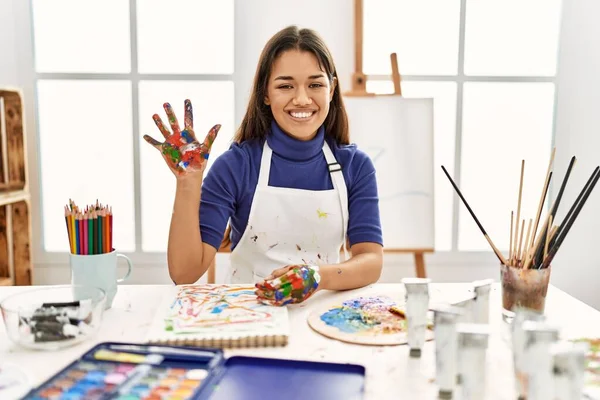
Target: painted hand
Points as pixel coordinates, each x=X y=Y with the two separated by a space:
x=289 y=285
x=182 y=152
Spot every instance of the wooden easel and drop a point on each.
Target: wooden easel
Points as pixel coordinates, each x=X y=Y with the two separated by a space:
x=359 y=88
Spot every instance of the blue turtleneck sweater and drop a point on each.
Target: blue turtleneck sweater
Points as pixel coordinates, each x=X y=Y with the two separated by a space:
x=228 y=187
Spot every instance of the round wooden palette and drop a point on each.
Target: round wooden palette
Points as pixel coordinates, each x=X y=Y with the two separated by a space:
x=364 y=320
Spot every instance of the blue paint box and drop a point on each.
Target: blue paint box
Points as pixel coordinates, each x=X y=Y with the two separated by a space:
x=131 y=371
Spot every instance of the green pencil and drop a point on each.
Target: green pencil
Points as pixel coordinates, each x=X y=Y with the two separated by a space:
x=91 y=247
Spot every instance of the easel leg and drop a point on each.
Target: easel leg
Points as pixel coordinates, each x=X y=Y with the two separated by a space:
x=420 y=265
x=211 y=271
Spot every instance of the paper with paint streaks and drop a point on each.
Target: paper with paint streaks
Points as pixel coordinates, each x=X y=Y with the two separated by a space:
x=215 y=312
x=181 y=150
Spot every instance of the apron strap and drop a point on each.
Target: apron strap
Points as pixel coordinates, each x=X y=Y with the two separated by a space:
x=337 y=178
x=265 y=166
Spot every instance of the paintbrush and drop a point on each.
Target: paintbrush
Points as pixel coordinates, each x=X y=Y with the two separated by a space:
x=496 y=251
x=538 y=254
x=573 y=213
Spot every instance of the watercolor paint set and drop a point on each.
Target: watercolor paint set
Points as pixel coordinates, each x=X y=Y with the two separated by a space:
x=128 y=371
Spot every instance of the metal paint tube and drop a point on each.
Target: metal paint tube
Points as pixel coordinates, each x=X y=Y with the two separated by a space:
x=481 y=302
x=568 y=370
x=518 y=345
x=467 y=309
x=539 y=338
x=472 y=349
x=446 y=348
x=417 y=305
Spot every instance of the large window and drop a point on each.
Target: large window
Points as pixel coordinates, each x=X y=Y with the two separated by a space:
x=102 y=70
x=490 y=66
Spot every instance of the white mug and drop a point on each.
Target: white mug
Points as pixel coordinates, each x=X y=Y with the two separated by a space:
x=98 y=270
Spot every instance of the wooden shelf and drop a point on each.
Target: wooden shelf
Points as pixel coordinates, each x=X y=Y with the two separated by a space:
x=13 y=197
x=15 y=221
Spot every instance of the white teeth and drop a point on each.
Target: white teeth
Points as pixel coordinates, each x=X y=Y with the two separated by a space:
x=301 y=114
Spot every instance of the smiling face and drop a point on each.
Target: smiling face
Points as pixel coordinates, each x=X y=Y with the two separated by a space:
x=299 y=93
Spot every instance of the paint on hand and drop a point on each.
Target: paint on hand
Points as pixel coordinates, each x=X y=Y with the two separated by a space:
x=181 y=149
x=294 y=286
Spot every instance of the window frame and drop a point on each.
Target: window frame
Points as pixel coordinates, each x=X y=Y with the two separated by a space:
x=460 y=79
x=29 y=79
x=157 y=260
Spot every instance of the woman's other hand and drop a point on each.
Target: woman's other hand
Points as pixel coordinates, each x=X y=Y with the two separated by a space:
x=289 y=285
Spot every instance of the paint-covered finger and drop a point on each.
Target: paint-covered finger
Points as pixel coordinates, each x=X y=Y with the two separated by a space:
x=161 y=127
x=279 y=272
x=188 y=119
x=172 y=119
x=211 y=136
x=265 y=294
x=155 y=143
x=266 y=301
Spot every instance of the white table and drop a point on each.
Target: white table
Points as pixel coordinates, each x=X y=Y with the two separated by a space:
x=391 y=374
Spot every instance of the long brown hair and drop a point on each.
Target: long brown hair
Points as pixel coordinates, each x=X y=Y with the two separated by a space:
x=257 y=121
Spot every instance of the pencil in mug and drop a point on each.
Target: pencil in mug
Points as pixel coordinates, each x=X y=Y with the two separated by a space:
x=89 y=231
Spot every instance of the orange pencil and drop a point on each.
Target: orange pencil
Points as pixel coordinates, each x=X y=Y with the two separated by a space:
x=68 y=223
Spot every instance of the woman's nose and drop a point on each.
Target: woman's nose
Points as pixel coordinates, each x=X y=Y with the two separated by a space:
x=301 y=98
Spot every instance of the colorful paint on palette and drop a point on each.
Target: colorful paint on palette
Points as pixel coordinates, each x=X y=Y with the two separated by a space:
x=93 y=380
x=366 y=315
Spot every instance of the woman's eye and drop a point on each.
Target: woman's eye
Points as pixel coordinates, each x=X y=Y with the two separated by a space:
x=316 y=85
x=285 y=87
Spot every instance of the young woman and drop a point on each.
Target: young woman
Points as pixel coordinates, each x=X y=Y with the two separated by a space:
x=291 y=185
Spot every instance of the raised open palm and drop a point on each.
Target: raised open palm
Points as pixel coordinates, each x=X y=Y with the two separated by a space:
x=181 y=150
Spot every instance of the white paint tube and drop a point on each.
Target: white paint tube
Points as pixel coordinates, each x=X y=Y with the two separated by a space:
x=481 y=301
x=518 y=345
x=446 y=348
x=417 y=305
x=472 y=349
x=568 y=369
x=539 y=338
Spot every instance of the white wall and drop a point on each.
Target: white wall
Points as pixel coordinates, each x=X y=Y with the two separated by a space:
x=8 y=51
x=577 y=266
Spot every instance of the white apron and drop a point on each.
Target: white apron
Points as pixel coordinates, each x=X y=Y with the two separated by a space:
x=291 y=226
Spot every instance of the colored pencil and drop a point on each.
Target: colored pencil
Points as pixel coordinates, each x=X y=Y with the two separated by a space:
x=89 y=230
x=91 y=233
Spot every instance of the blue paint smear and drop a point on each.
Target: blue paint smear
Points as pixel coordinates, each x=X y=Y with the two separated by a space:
x=241 y=293
x=347 y=320
x=218 y=309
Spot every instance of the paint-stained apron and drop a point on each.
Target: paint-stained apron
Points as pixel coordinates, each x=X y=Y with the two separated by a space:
x=291 y=226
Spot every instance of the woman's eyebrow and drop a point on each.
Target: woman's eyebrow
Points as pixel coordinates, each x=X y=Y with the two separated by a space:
x=289 y=78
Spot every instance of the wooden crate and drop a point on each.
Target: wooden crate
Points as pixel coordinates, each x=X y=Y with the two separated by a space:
x=12 y=157
x=15 y=220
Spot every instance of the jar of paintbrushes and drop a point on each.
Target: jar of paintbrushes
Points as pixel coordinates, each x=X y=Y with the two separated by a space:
x=525 y=274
